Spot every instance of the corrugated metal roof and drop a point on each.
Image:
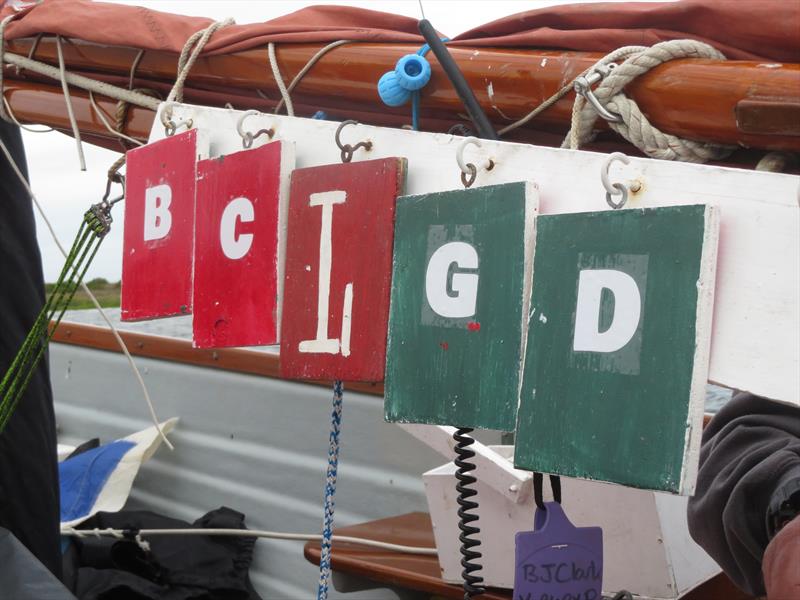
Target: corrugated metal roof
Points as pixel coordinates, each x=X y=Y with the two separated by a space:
x=254 y=444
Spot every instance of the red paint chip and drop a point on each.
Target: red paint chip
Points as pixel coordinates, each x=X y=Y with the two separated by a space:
x=474 y=326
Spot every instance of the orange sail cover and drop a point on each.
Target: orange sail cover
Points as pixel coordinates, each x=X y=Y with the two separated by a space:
x=742 y=30
x=751 y=100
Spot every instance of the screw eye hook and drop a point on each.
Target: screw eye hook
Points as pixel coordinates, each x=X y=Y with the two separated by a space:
x=170 y=125
x=469 y=171
x=248 y=137
x=347 y=150
x=614 y=189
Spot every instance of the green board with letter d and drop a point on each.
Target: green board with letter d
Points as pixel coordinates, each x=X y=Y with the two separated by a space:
x=618 y=341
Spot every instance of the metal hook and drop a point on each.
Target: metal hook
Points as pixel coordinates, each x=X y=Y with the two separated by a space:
x=583 y=86
x=614 y=188
x=170 y=126
x=105 y=203
x=468 y=170
x=248 y=137
x=347 y=150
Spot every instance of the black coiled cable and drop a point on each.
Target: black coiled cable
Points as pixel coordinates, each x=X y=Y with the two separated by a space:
x=472 y=583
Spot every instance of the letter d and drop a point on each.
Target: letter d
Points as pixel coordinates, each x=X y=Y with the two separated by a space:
x=627 y=310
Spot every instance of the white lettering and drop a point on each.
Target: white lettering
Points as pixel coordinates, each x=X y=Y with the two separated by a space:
x=157 y=217
x=627 y=310
x=322 y=343
x=460 y=301
x=239 y=210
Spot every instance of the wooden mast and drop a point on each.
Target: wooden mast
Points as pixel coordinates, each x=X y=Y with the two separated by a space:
x=746 y=103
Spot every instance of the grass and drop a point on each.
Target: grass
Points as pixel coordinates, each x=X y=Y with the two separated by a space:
x=107 y=294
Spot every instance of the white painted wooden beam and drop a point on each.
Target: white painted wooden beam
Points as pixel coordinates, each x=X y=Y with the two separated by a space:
x=491 y=468
x=756 y=321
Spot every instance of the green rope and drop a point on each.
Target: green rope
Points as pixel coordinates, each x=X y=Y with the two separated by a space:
x=94 y=227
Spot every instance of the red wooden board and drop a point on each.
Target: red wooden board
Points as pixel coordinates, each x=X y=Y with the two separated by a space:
x=239 y=216
x=339 y=255
x=159 y=227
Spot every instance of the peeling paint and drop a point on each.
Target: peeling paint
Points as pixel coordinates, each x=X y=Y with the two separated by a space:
x=543 y=63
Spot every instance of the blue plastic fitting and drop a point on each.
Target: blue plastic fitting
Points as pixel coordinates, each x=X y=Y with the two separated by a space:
x=391 y=91
x=413 y=72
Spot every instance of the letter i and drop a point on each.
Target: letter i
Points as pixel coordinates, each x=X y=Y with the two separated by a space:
x=322 y=343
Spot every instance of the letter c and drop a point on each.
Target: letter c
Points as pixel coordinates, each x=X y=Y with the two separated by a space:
x=460 y=302
x=238 y=210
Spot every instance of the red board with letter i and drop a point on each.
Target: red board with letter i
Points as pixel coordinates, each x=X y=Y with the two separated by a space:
x=241 y=207
x=159 y=227
x=338 y=270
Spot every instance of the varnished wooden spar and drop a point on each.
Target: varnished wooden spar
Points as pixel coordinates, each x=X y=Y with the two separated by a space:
x=735 y=102
x=236 y=360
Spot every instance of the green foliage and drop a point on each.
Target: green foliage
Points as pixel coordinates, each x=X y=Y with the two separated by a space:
x=107 y=294
x=97 y=283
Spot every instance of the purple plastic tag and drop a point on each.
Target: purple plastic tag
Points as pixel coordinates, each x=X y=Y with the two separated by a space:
x=558 y=561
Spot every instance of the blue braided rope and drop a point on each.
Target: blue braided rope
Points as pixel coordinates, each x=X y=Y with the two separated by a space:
x=330 y=492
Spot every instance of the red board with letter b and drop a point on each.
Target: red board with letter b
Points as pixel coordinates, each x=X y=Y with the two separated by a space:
x=159 y=227
x=241 y=207
x=338 y=270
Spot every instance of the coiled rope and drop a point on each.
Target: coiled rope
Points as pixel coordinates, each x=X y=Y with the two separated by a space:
x=634 y=125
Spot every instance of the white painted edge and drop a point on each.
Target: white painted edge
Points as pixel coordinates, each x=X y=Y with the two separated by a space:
x=288 y=159
x=531 y=214
x=491 y=468
x=202 y=150
x=702 y=351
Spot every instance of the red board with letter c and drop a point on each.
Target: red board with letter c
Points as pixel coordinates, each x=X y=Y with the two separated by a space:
x=241 y=201
x=338 y=270
x=159 y=227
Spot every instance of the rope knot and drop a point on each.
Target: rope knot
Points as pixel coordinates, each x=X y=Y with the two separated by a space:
x=633 y=124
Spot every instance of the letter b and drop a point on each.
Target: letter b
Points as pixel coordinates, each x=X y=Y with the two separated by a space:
x=157 y=217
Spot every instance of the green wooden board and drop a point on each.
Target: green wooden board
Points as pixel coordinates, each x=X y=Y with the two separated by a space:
x=460 y=289
x=607 y=393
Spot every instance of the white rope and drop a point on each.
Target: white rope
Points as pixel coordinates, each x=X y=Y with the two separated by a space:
x=634 y=126
x=276 y=535
x=76 y=132
x=775 y=162
x=16 y=122
x=134 y=65
x=91 y=296
x=86 y=83
x=191 y=50
x=302 y=73
x=276 y=73
x=108 y=126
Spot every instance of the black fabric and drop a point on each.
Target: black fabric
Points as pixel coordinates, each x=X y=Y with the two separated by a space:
x=28 y=463
x=747 y=449
x=87 y=445
x=177 y=567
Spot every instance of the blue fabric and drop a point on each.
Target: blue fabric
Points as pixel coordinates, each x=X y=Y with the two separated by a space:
x=82 y=477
